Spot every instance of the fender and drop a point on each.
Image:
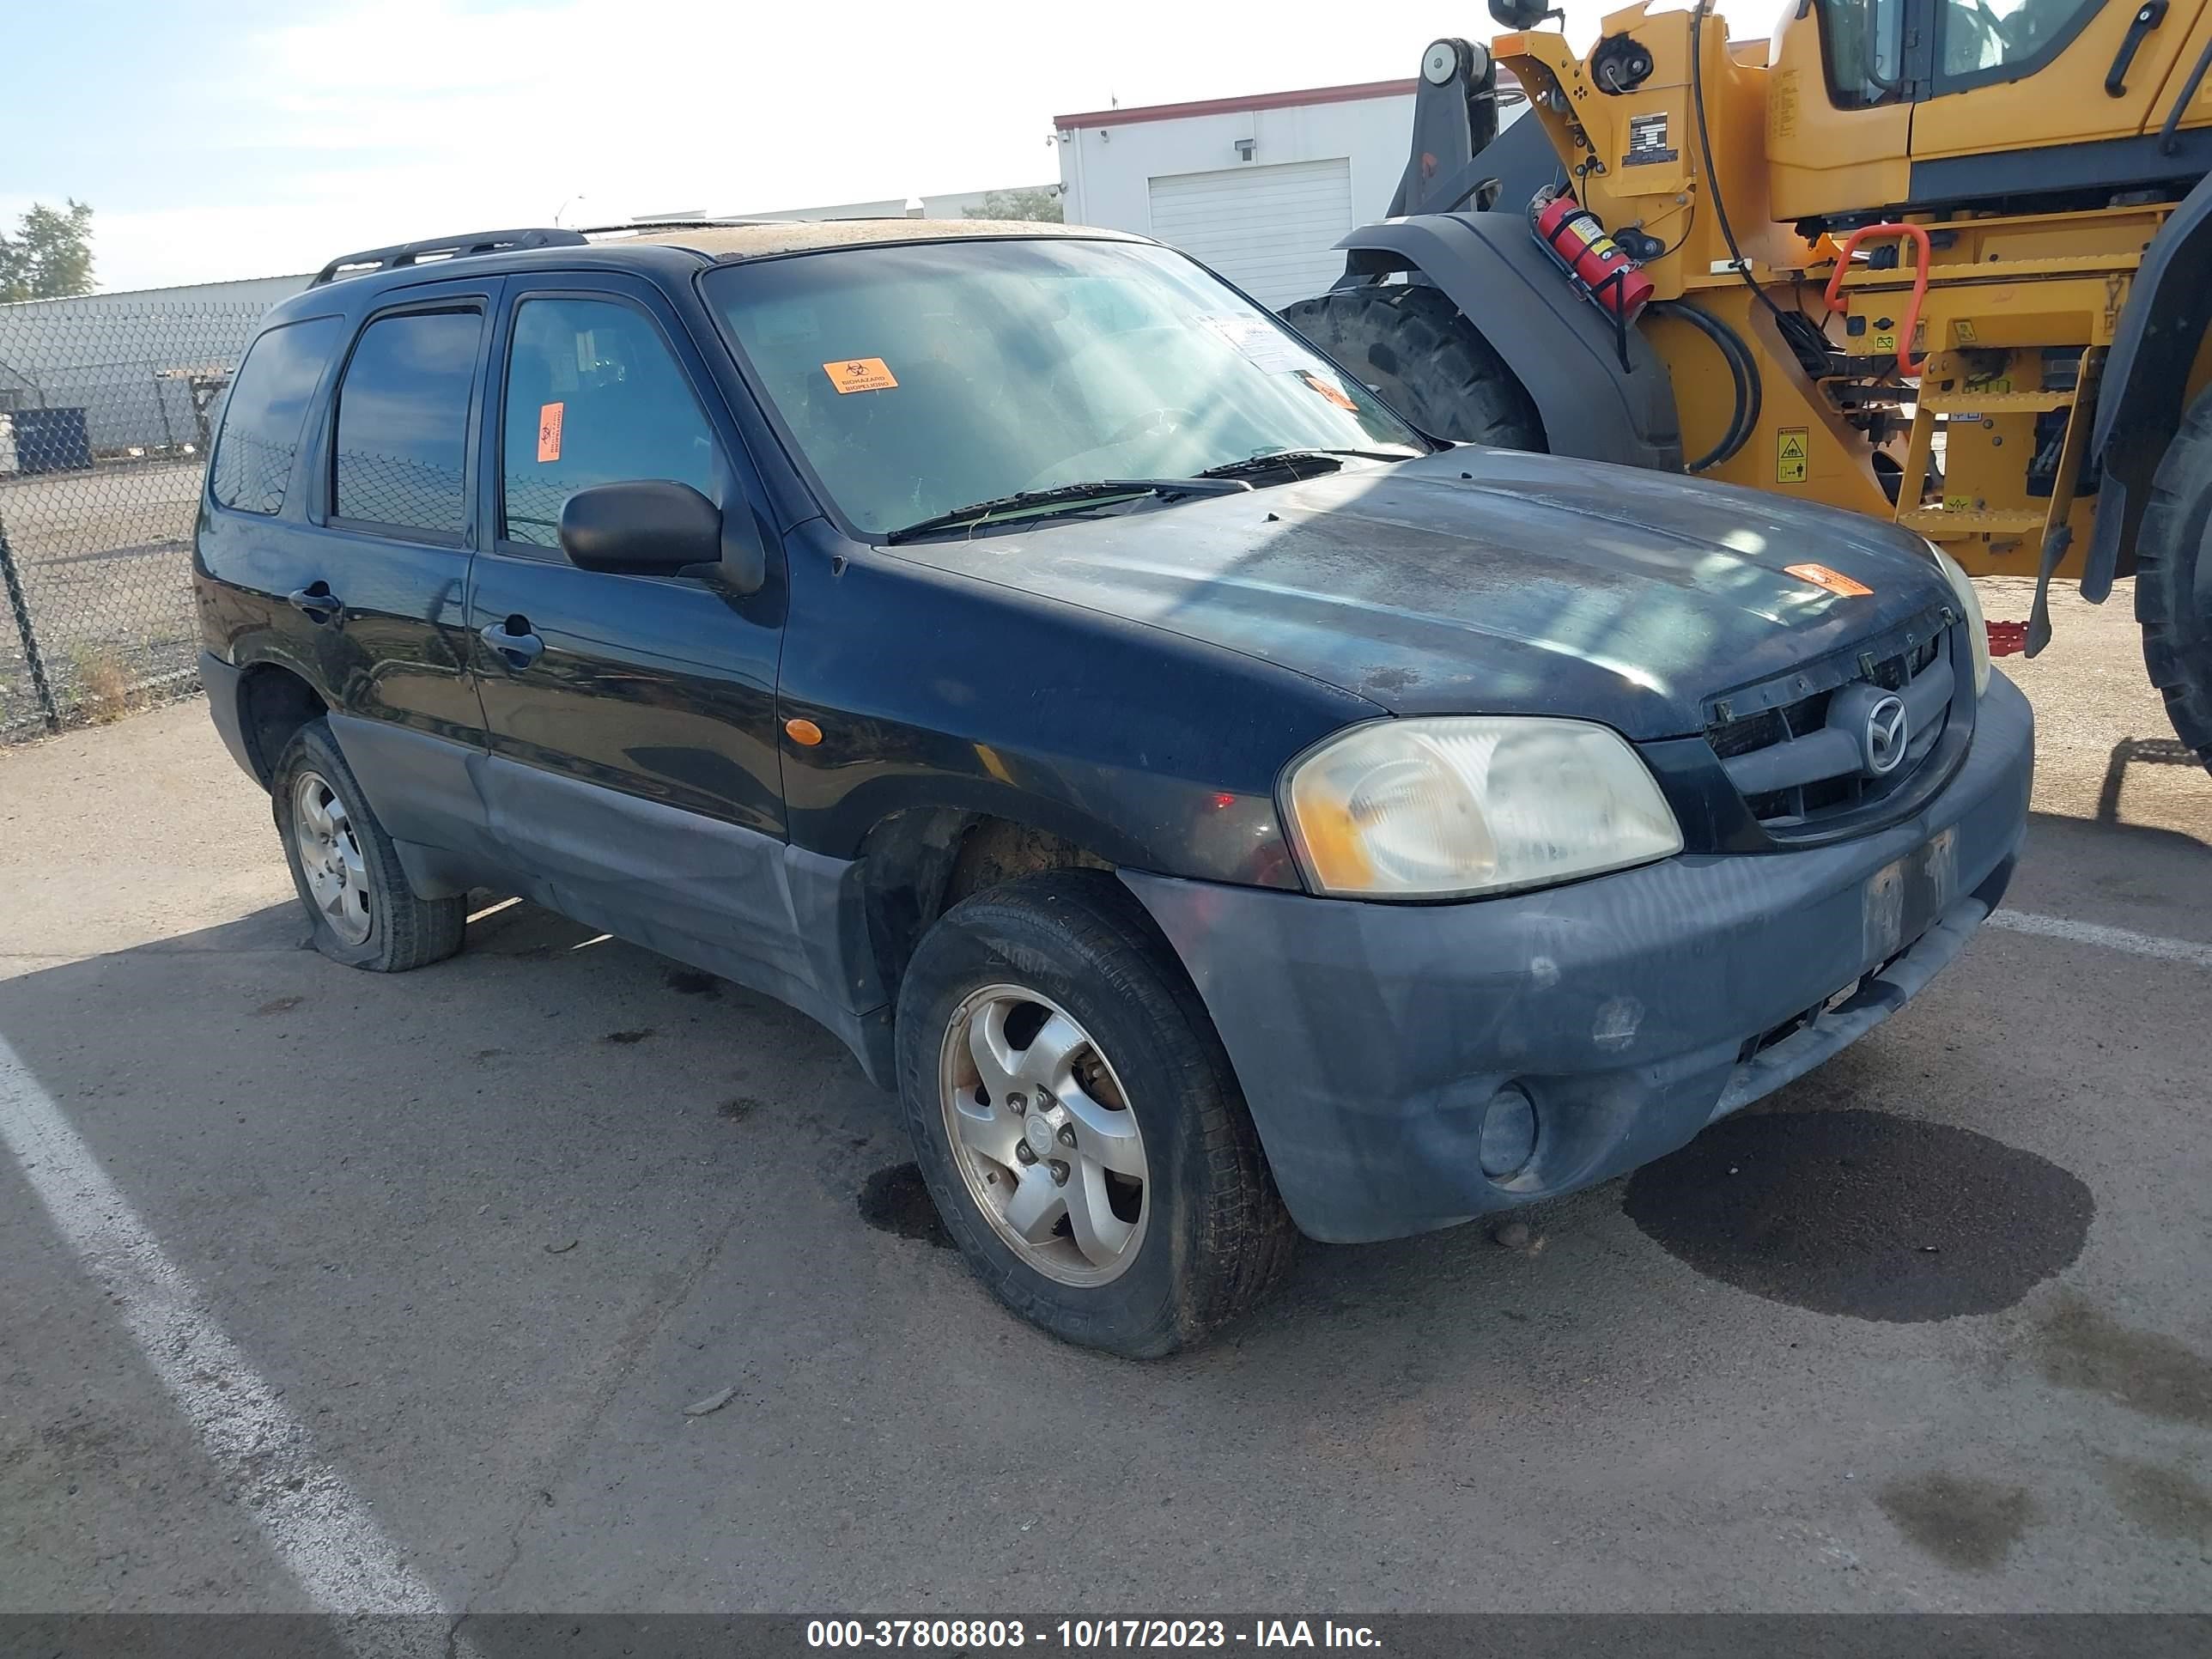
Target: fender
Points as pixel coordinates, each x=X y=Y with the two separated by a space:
x=2146 y=377
x=1559 y=346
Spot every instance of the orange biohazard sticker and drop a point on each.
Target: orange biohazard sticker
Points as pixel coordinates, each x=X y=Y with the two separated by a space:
x=1834 y=580
x=860 y=374
x=1328 y=389
x=549 y=430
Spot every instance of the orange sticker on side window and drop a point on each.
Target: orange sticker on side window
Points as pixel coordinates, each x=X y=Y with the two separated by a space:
x=549 y=430
x=1328 y=389
x=1834 y=580
x=860 y=374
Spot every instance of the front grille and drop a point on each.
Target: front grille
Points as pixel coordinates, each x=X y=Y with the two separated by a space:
x=1794 y=747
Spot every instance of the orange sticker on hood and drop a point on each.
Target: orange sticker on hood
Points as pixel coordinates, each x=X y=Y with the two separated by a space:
x=860 y=374
x=1834 y=580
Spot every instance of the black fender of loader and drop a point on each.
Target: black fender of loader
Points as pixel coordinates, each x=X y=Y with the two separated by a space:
x=1562 y=350
x=2146 y=378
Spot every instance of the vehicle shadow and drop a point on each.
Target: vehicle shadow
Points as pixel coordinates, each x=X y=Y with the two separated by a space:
x=2138 y=751
x=489 y=1228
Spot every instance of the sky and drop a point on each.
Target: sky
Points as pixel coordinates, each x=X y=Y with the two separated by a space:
x=256 y=137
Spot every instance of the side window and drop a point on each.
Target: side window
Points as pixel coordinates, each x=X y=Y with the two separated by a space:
x=403 y=422
x=1864 y=46
x=594 y=396
x=1985 y=37
x=267 y=406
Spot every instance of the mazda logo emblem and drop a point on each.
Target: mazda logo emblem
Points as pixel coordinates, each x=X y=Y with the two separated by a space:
x=1881 y=746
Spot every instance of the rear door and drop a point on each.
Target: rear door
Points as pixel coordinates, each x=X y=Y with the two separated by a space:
x=394 y=523
x=635 y=780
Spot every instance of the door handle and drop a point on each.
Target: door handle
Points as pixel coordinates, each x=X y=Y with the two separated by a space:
x=514 y=640
x=317 y=603
x=2149 y=15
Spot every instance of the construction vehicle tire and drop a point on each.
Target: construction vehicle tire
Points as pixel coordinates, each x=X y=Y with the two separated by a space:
x=2173 y=584
x=1410 y=344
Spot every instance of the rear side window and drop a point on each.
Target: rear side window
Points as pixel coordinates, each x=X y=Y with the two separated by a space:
x=403 y=423
x=267 y=407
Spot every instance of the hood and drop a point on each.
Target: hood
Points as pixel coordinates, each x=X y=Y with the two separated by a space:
x=1485 y=581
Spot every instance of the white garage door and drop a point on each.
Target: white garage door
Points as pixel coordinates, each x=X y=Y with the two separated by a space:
x=1271 y=230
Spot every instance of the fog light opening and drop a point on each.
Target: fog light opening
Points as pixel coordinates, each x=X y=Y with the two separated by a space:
x=1509 y=1132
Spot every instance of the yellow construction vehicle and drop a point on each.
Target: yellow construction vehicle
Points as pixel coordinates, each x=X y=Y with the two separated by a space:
x=1943 y=261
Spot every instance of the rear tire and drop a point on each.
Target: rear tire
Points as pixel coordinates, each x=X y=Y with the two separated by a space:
x=1155 y=1218
x=2173 y=580
x=1414 y=348
x=347 y=870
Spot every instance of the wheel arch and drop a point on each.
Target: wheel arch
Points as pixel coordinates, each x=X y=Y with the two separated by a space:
x=1556 y=344
x=2147 y=378
x=918 y=862
x=273 y=702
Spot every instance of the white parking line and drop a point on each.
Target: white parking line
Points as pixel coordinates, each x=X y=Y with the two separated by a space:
x=2109 y=938
x=319 y=1529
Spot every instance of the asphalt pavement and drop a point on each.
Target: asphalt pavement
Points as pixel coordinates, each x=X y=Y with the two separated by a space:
x=323 y=1289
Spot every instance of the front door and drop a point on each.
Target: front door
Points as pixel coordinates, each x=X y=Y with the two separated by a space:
x=634 y=778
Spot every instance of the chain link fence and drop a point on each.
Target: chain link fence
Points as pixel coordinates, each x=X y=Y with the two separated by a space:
x=105 y=411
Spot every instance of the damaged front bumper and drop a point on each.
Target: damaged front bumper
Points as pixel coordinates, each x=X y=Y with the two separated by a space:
x=1375 y=1044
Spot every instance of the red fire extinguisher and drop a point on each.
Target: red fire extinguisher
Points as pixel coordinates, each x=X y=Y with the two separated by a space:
x=1608 y=278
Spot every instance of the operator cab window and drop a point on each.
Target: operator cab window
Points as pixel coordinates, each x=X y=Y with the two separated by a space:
x=1864 y=43
x=594 y=396
x=403 y=424
x=1978 y=38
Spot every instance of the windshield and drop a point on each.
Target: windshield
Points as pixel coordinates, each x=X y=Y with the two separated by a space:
x=917 y=379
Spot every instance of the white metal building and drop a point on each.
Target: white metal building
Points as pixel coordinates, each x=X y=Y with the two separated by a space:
x=1261 y=188
x=953 y=204
x=130 y=360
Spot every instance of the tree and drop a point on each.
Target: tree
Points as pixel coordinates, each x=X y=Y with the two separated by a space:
x=50 y=255
x=1041 y=203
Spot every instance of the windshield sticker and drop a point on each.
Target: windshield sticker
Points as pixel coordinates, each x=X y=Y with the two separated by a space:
x=1834 y=580
x=1328 y=389
x=1259 y=340
x=860 y=374
x=549 y=431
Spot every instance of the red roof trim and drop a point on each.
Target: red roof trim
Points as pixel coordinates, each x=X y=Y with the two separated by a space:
x=1351 y=94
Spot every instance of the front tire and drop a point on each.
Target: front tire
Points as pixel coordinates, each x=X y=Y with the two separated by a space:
x=1411 y=345
x=346 y=870
x=1076 y=1121
x=2173 y=580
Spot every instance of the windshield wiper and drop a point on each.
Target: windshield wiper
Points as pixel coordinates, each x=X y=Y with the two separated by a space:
x=1066 y=494
x=1279 y=459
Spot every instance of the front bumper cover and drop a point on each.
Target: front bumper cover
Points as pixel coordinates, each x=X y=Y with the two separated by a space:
x=1633 y=1008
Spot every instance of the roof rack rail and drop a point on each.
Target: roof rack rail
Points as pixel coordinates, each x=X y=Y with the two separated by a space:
x=443 y=247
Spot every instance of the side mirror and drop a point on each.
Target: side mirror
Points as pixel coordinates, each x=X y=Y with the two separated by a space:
x=649 y=527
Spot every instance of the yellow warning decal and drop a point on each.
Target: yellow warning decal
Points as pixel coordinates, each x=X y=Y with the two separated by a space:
x=1834 y=580
x=860 y=374
x=1791 y=461
x=1885 y=343
x=1966 y=331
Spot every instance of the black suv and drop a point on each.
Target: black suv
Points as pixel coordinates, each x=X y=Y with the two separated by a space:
x=1218 y=810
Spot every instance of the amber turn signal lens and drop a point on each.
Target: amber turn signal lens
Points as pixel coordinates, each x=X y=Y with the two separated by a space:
x=806 y=732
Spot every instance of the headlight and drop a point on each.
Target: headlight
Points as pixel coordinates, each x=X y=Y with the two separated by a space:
x=1962 y=585
x=1450 y=806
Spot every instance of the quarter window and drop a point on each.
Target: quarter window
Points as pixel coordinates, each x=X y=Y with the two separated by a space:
x=594 y=396
x=268 y=404
x=403 y=421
